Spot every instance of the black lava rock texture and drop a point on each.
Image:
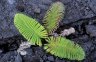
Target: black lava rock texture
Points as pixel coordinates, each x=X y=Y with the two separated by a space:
x=80 y=14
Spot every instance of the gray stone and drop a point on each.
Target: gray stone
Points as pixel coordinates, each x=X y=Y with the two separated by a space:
x=59 y=60
x=11 y=1
x=51 y=58
x=91 y=30
x=76 y=10
x=12 y=56
x=18 y=58
x=7 y=13
x=87 y=47
x=30 y=57
x=92 y=5
x=36 y=9
x=47 y=61
x=1 y=51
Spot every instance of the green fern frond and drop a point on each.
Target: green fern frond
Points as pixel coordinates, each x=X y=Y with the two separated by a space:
x=30 y=29
x=53 y=16
x=64 y=48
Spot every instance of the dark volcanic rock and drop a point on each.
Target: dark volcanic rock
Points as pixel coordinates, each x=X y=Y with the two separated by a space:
x=93 y=57
x=7 y=12
x=30 y=56
x=11 y=56
x=88 y=47
x=77 y=9
x=92 y=5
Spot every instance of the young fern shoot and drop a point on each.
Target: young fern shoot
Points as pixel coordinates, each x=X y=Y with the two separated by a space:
x=53 y=16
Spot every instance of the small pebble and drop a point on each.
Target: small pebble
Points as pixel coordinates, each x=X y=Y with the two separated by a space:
x=23 y=46
x=91 y=30
x=1 y=51
x=11 y=1
x=37 y=9
x=51 y=58
x=67 y=32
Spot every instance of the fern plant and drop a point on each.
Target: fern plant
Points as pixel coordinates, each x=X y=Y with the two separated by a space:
x=34 y=32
